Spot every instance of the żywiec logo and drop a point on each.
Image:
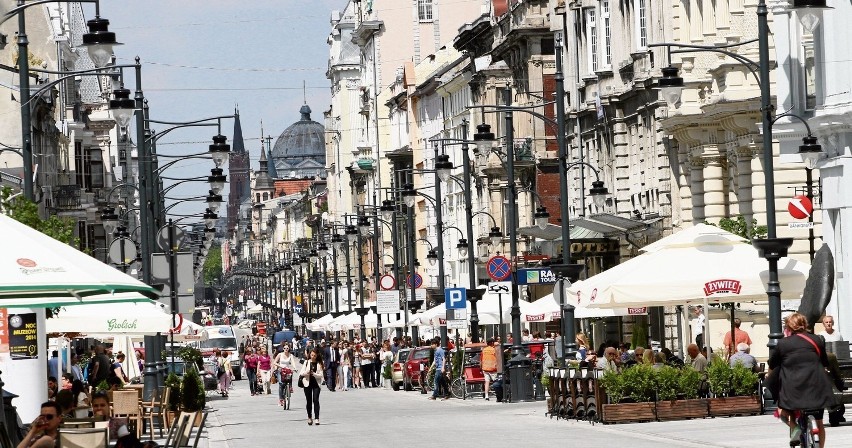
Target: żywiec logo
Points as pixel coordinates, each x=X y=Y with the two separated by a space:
x=26 y=262
x=535 y=317
x=115 y=324
x=722 y=286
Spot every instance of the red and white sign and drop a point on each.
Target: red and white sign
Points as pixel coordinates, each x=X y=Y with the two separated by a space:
x=722 y=286
x=387 y=282
x=535 y=317
x=177 y=321
x=800 y=207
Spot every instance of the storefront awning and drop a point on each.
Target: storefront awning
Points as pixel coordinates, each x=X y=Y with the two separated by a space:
x=598 y=226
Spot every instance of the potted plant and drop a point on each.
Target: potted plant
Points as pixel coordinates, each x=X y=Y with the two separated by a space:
x=677 y=394
x=631 y=394
x=191 y=355
x=192 y=393
x=173 y=383
x=734 y=389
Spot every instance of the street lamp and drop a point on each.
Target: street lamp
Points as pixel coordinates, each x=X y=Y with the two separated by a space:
x=387 y=210
x=495 y=235
x=99 y=41
x=121 y=107
x=109 y=219
x=462 y=248
x=810 y=13
x=432 y=257
x=217 y=180
x=210 y=218
x=220 y=150
x=351 y=233
x=443 y=167
x=214 y=201
x=598 y=192
x=541 y=217
x=670 y=85
x=811 y=152
x=409 y=195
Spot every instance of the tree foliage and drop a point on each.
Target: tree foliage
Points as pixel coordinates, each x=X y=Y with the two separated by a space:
x=212 y=270
x=26 y=212
x=738 y=227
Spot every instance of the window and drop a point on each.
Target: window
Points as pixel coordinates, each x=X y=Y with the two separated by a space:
x=607 y=54
x=592 y=39
x=424 y=10
x=641 y=24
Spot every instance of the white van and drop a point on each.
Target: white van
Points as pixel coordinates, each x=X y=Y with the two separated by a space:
x=225 y=337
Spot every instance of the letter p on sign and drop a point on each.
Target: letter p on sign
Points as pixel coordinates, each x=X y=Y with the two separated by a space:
x=455 y=298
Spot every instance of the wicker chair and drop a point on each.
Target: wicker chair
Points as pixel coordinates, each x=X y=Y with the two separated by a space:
x=157 y=408
x=83 y=438
x=125 y=404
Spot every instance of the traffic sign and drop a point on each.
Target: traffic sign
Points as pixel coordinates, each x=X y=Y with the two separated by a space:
x=499 y=268
x=387 y=302
x=800 y=207
x=298 y=309
x=418 y=280
x=500 y=287
x=455 y=298
x=457 y=324
x=116 y=251
x=387 y=282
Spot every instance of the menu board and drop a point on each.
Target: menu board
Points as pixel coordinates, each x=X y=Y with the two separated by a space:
x=23 y=336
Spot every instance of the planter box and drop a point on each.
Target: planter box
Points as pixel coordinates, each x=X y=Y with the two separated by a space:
x=682 y=409
x=628 y=412
x=728 y=406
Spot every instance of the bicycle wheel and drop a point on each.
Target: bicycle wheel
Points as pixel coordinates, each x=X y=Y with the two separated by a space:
x=457 y=388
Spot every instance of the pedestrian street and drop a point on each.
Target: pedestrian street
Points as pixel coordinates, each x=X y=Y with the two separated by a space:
x=384 y=418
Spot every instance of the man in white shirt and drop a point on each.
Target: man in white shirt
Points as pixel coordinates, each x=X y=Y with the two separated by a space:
x=830 y=334
x=607 y=363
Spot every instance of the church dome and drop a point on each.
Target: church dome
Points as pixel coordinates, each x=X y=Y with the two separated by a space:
x=299 y=151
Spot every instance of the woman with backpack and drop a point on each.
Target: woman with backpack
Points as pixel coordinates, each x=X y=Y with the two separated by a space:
x=223 y=372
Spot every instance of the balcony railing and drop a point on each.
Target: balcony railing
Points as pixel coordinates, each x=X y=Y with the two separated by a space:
x=67 y=196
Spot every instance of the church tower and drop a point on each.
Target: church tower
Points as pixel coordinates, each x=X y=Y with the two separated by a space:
x=238 y=174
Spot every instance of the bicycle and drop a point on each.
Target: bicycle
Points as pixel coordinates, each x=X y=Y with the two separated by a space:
x=287 y=382
x=808 y=430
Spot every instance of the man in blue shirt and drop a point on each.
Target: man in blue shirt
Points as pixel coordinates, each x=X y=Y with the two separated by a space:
x=439 y=364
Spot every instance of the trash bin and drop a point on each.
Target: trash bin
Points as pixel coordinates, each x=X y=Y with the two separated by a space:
x=520 y=379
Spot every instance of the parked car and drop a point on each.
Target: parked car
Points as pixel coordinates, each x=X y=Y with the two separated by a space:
x=418 y=359
x=398 y=367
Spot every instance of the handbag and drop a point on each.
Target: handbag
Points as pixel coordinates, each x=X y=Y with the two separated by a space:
x=273 y=379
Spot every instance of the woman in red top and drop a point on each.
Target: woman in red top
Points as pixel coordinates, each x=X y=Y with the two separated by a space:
x=264 y=369
x=250 y=361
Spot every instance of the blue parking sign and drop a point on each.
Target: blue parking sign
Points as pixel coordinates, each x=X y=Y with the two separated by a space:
x=455 y=298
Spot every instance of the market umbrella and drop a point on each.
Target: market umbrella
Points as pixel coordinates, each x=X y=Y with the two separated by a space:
x=321 y=323
x=547 y=309
x=109 y=319
x=39 y=271
x=713 y=268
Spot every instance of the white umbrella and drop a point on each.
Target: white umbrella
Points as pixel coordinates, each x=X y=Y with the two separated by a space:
x=39 y=271
x=190 y=331
x=124 y=344
x=142 y=318
x=321 y=323
x=257 y=309
x=547 y=309
x=715 y=268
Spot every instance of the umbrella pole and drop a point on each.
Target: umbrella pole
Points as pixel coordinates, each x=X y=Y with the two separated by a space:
x=707 y=328
x=680 y=329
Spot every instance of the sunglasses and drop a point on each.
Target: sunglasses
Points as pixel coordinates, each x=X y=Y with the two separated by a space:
x=48 y=417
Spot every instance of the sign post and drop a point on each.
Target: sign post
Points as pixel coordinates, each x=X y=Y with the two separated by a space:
x=455 y=300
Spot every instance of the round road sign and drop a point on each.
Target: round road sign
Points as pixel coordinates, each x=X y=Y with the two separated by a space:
x=387 y=282
x=800 y=207
x=418 y=280
x=499 y=268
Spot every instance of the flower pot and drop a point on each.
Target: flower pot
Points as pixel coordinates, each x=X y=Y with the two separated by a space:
x=627 y=412
x=681 y=409
x=729 y=406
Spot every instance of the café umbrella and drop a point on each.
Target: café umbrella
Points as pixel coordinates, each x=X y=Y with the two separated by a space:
x=39 y=271
x=101 y=320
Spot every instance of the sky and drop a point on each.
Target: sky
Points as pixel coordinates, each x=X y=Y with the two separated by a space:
x=203 y=58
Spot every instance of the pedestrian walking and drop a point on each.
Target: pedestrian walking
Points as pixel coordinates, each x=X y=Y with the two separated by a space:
x=310 y=379
x=345 y=366
x=439 y=365
x=250 y=361
x=264 y=372
x=367 y=364
x=223 y=372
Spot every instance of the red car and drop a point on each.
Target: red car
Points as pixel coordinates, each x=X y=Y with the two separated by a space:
x=419 y=359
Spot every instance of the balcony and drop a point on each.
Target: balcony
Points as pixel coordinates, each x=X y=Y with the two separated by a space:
x=67 y=197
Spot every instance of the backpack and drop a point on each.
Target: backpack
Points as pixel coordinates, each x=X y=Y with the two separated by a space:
x=488 y=359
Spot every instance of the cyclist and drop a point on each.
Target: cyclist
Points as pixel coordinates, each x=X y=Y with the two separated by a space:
x=804 y=387
x=284 y=365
